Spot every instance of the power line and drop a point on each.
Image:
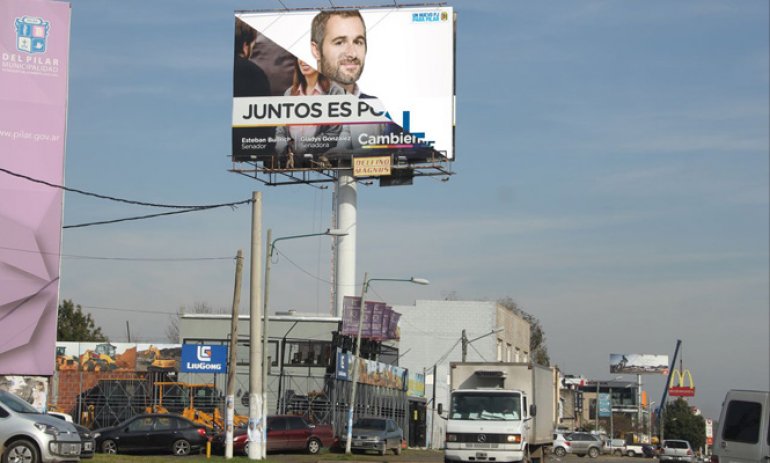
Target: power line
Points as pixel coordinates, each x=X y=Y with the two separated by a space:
x=115 y=309
x=112 y=198
x=150 y=216
x=127 y=259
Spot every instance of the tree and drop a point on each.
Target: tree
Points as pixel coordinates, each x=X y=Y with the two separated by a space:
x=73 y=325
x=538 y=351
x=681 y=423
x=172 y=330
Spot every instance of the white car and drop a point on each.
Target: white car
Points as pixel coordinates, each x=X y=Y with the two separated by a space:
x=561 y=446
x=32 y=437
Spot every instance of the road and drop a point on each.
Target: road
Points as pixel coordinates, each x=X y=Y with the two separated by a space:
x=427 y=456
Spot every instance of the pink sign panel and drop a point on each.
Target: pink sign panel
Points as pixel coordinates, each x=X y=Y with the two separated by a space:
x=34 y=47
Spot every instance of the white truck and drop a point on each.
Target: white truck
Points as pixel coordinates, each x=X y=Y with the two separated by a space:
x=501 y=412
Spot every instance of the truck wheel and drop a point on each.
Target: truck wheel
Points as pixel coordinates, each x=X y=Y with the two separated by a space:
x=593 y=452
x=630 y=453
x=560 y=452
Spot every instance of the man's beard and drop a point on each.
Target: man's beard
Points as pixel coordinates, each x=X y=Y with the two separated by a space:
x=335 y=73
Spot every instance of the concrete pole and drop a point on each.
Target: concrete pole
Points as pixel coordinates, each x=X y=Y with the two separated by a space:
x=265 y=364
x=465 y=345
x=256 y=421
x=354 y=377
x=347 y=197
x=230 y=410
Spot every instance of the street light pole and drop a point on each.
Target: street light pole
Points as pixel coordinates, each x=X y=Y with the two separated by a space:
x=354 y=377
x=266 y=304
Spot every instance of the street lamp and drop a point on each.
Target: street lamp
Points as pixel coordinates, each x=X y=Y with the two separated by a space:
x=265 y=367
x=466 y=342
x=354 y=377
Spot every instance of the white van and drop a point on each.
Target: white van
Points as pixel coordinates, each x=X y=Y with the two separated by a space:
x=744 y=428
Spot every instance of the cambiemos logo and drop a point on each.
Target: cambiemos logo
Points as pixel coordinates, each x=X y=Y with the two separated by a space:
x=32 y=43
x=406 y=139
x=204 y=353
x=31 y=34
x=431 y=17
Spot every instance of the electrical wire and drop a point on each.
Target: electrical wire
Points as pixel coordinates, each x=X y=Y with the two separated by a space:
x=150 y=216
x=112 y=198
x=129 y=259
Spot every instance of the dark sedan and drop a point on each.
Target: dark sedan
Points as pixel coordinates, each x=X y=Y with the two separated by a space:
x=286 y=432
x=87 y=438
x=152 y=433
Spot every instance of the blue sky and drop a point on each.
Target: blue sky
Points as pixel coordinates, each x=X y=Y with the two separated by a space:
x=612 y=178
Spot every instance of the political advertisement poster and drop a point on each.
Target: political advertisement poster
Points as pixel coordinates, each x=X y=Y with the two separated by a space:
x=605 y=406
x=380 y=321
x=416 y=385
x=316 y=89
x=32 y=389
x=34 y=48
x=638 y=363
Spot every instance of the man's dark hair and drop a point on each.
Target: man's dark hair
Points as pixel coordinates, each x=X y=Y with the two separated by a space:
x=243 y=34
x=318 y=28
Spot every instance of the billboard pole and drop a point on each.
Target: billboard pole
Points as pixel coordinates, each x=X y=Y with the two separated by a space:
x=347 y=197
x=230 y=410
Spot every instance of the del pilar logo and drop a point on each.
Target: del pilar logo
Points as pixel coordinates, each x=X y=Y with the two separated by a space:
x=31 y=34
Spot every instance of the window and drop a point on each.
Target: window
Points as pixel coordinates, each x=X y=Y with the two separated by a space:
x=742 y=422
x=165 y=423
x=307 y=353
x=295 y=422
x=276 y=424
x=3 y=413
x=140 y=425
x=242 y=352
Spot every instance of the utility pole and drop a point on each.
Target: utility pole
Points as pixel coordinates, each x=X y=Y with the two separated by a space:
x=230 y=411
x=256 y=420
x=465 y=345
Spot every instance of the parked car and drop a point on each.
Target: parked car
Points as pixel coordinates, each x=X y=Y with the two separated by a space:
x=153 y=433
x=614 y=447
x=285 y=432
x=584 y=443
x=676 y=450
x=32 y=437
x=561 y=446
x=743 y=434
x=87 y=438
x=380 y=434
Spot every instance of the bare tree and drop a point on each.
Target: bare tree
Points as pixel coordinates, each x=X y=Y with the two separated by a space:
x=172 y=330
x=538 y=351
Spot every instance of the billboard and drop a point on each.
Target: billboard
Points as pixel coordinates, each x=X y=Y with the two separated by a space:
x=317 y=89
x=380 y=321
x=34 y=47
x=638 y=363
x=201 y=358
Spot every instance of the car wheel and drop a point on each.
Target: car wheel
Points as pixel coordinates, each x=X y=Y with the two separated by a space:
x=618 y=453
x=181 y=448
x=21 y=451
x=384 y=448
x=630 y=453
x=397 y=450
x=593 y=452
x=246 y=449
x=560 y=452
x=110 y=447
x=313 y=446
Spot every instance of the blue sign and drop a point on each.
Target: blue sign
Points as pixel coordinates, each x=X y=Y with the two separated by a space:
x=202 y=358
x=605 y=407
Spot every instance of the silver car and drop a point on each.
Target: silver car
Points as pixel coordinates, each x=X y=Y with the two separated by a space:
x=31 y=437
x=380 y=434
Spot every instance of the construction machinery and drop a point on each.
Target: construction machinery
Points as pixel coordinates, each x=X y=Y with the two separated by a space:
x=196 y=402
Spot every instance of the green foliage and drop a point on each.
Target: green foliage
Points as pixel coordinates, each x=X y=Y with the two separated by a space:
x=537 y=347
x=681 y=423
x=73 y=325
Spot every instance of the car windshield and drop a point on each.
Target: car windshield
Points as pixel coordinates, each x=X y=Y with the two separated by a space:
x=16 y=404
x=370 y=424
x=485 y=406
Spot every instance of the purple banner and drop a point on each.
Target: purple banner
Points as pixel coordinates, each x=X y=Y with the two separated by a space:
x=393 y=326
x=34 y=46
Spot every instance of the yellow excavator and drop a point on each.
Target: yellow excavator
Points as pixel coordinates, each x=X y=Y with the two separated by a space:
x=178 y=395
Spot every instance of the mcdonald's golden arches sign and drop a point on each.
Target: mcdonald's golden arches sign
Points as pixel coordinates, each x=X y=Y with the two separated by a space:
x=678 y=385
